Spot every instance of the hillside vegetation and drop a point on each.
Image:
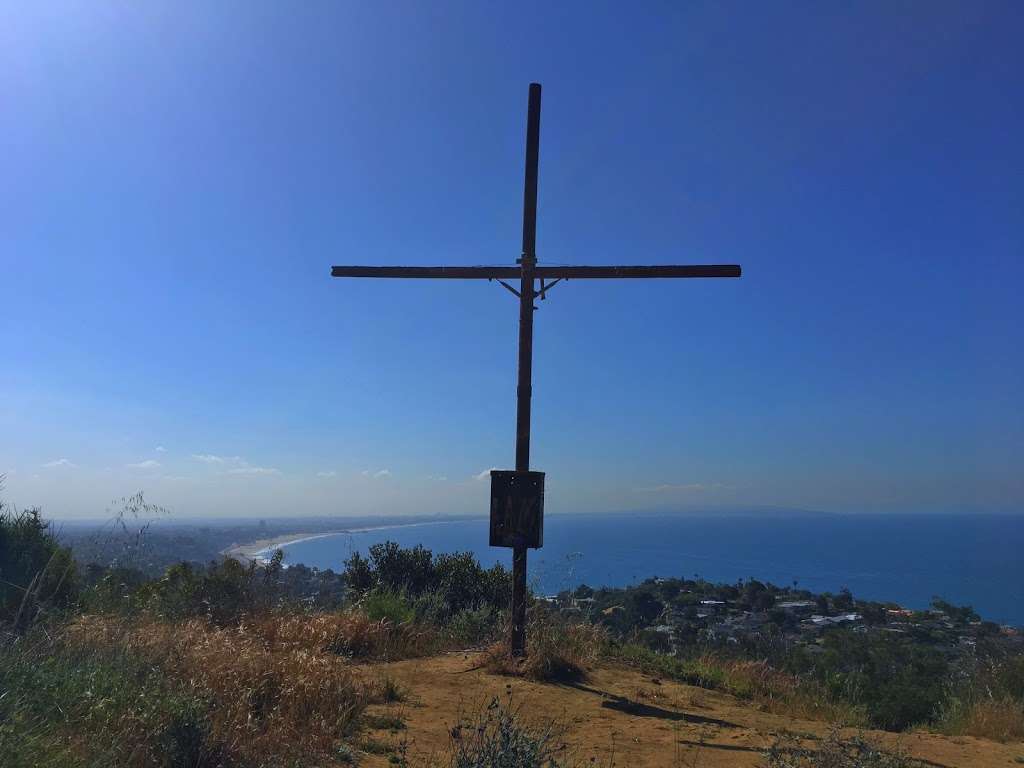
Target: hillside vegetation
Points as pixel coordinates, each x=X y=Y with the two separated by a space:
x=235 y=665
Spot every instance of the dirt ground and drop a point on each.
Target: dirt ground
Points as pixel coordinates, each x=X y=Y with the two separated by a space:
x=618 y=717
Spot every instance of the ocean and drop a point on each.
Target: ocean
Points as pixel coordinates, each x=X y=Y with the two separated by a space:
x=907 y=559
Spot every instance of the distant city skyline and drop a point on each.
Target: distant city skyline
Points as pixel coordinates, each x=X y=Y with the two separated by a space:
x=179 y=180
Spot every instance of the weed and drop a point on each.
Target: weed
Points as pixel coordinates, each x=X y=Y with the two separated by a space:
x=835 y=752
x=346 y=633
x=386 y=722
x=346 y=755
x=64 y=707
x=375 y=747
x=389 y=690
x=776 y=691
x=987 y=701
x=260 y=694
x=556 y=650
x=1000 y=719
x=498 y=738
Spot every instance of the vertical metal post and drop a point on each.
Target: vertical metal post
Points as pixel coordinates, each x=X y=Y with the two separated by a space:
x=524 y=389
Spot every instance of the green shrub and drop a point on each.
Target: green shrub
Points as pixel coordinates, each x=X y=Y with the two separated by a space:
x=35 y=571
x=415 y=572
x=986 y=699
x=223 y=592
x=392 y=606
x=112 y=590
x=900 y=683
x=476 y=626
x=62 y=708
x=390 y=690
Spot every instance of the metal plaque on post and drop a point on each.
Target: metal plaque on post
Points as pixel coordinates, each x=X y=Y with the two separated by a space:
x=517 y=509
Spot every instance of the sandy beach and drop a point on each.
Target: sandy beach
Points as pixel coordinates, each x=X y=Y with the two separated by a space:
x=260 y=549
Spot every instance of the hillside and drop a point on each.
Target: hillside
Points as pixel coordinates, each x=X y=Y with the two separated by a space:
x=401 y=660
x=623 y=716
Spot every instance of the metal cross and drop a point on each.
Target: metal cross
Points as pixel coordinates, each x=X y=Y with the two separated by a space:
x=517 y=497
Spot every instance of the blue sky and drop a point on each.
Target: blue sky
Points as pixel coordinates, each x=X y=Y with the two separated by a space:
x=178 y=179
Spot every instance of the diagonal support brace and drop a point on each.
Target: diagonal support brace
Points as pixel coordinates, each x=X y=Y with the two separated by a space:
x=506 y=286
x=545 y=288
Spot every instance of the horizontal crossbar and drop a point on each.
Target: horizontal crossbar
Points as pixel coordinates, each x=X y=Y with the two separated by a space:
x=663 y=270
x=548 y=273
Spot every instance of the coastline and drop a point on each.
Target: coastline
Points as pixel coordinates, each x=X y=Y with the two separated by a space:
x=259 y=550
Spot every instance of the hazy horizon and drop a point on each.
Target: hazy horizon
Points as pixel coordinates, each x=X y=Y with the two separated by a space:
x=387 y=518
x=179 y=181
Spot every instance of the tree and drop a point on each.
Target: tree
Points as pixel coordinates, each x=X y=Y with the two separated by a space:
x=843 y=601
x=642 y=608
x=35 y=571
x=401 y=569
x=757 y=596
x=358 y=573
x=963 y=614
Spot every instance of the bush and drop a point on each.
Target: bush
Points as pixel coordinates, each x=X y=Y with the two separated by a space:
x=389 y=606
x=111 y=590
x=66 y=706
x=262 y=683
x=458 y=578
x=498 y=738
x=401 y=570
x=835 y=752
x=475 y=626
x=348 y=633
x=898 y=682
x=223 y=592
x=958 y=614
x=777 y=691
x=35 y=571
x=556 y=650
x=987 y=700
x=999 y=719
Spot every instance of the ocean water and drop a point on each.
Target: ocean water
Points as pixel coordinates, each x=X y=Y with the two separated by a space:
x=908 y=559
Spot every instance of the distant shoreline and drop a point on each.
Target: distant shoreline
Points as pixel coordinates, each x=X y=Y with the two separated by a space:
x=255 y=550
x=260 y=550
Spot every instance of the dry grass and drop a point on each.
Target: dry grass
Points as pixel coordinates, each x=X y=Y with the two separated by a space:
x=772 y=690
x=996 y=719
x=272 y=689
x=555 y=651
x=835 y=751
x=351 y=633
x=270 y=697
x=781 y=693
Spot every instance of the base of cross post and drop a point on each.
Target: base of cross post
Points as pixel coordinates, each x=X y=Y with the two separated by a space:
x=517 y=641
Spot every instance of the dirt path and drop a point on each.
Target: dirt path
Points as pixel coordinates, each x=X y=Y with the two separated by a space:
x=619 y=717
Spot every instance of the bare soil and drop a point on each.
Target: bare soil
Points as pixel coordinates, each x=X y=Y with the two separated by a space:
x=618 y=717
